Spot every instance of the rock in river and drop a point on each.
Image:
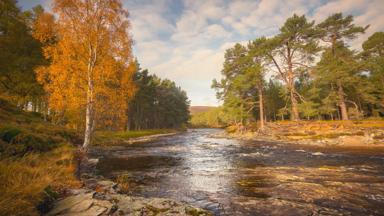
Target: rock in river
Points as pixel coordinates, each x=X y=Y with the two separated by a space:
x=87 y=204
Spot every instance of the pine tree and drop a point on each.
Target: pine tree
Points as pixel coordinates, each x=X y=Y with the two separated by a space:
x=20 y=54
x=289 y=52
x=373 y=55
x=335 y=30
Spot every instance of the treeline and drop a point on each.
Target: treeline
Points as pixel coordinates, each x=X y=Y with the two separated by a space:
x=157 y=103
x=214 y=118
x=306 y=71
x=75 y=66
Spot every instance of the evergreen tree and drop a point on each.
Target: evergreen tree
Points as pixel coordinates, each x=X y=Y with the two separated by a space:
x=289 y=52
x=373 y=55
x=157 y=103
x=242 y=84
x=335 y=30
x=20 y=54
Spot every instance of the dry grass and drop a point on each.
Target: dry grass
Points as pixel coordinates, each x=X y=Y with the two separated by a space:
x=118 y=137
x=123 y=182
x=24 y=181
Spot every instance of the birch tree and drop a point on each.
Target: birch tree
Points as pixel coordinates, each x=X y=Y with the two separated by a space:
x=91 y=61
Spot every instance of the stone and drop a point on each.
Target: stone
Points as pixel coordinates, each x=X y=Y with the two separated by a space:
x=67 y=203
x=93 y=211
x=93 y=161
x=106 y=183
x=318 y=154
x=81 y=206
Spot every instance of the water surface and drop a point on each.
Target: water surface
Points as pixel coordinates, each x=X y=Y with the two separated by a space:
x=232 y=177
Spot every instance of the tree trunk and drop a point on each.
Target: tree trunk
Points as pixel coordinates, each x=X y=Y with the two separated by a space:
x=295 y=111
x=291 y=84
x=261 y=108
x=342 y=105
x=89 y=115
x=88 y=119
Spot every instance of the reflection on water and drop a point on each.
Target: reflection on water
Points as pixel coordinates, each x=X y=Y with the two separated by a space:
x=231 y=177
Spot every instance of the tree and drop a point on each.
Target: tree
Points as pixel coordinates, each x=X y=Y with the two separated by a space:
x=373 y=55
x=335 y=30
x=344 y=71
x=215 y=118
x=242 y=83
x=20 y=54
x=273 y=99
x=289 y=52
x=91 y=61
x=157 y=103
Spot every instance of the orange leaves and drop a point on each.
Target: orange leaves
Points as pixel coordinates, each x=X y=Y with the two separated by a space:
x=89 y=41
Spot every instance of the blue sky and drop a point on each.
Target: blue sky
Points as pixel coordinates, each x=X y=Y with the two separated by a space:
x=185 y=40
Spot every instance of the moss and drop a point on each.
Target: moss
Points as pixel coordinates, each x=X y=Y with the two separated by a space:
x=8 y=133
x=195 y=212
x=155 y=210
x=23 y=132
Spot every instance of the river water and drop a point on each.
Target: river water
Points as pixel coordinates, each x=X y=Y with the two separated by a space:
x=233 y=177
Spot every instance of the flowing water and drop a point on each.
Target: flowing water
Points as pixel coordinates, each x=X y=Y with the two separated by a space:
x=232 y=177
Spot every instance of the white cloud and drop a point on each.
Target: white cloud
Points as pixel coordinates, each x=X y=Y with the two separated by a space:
x=185 y=40
x=365 y=12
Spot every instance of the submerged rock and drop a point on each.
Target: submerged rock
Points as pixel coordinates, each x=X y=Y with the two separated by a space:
x=318 y=154
x=111 y=203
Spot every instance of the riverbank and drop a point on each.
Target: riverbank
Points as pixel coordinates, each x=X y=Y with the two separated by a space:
x=113 y=138
x=101 y=196
x=354 y=134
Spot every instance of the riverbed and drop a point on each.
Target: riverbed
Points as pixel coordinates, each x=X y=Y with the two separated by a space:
x=234 y=177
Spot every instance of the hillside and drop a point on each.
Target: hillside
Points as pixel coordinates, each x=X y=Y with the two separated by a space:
x=36 y=161
x=200 y=109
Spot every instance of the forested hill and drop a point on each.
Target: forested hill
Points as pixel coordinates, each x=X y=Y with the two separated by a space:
x=199 y=109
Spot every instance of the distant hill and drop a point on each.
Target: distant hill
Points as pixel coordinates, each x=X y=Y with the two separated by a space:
x=199 y=109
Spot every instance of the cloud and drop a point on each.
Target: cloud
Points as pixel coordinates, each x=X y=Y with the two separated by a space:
x=185 y=40
x=365 y=12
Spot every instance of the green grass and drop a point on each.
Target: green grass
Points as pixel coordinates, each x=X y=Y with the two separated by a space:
x=25 y=132
x=118 y=137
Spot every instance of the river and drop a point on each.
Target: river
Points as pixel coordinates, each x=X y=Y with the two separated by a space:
x=233 y=177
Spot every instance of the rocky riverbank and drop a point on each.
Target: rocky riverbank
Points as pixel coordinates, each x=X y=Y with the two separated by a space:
x=322 y=134
x=100 y=196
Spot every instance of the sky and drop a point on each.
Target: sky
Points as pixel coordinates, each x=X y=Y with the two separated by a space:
x=185 y=40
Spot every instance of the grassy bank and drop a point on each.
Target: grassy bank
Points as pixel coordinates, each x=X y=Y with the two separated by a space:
x=347 y=133
x=30 y=183
x=119 y=137
x=35 y=161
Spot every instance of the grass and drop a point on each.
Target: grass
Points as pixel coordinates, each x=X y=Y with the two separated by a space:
x=35 y=161
x=25 y=132
x=30 y=183
x=118 y=137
